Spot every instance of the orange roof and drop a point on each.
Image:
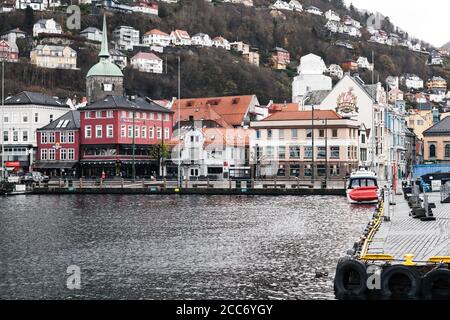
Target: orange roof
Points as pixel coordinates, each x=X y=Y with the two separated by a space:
x=227 y=111
x=286 y=112
x=156 y=31
x=226 y=136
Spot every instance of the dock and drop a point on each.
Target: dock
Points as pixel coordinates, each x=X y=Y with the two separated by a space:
x=404 y=253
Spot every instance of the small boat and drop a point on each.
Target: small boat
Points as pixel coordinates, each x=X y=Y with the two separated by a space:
x=363 y=188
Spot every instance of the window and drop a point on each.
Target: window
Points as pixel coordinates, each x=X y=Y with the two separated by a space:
x=130 y=131
x=420 y=122
x=334 y=171
x=294 y=170
x=321 y=152
x=258 y=134
x=144 y=132
x=321 y=133
x=87 y=115
x=5 y=136
x=51 y=118
x=308 y=170
x=43 y=154
x=167 y=133
x=51 y=137
x=151 y=133
x=16 y=136
x=308 y=152
x=71 y=136
x=363 y=138
x=36 y=117
x=294 y=133
x=98 y=114
x=71 y=154
x=137 y=131
x=166 y=117
x=321 y=170
x=124 y=114
x=109 y=114
x=349 y=152
x=447 y=151
x=159 y=116
x=269 y=152
x=63 y=154
x=294 y=152
x=99 y=131
x=334 y=133
x=158 y=133
x=281 y=134
x=335 y=152
x=432 y=151
x=63 y=137
x=309 y=133
x=281 y=153
x=25 y=118
x=138 y=115
x=44 y=138
x=88 y=132
x=269 y=134
x=51 y=154
x=6 y=118
x=123 y=131
x=109 y=131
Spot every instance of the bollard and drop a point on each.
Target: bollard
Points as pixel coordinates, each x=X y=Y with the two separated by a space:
x=81 y=183
x=143 y=183
x=387 y=206
x=428 y=213
x=165 y=183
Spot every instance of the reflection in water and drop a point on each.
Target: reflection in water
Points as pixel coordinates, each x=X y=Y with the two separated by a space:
x=172 y=247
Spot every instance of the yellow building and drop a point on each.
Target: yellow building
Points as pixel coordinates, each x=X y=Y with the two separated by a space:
x=437 y=142
x=419 y=121
x=54 y=57
x=437 y=83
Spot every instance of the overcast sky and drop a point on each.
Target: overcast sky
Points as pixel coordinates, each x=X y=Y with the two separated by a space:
x=426 y=20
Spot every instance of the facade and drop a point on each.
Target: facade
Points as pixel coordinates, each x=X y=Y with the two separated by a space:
x=421 y=120
x=180 y=38
x=105 y=78
x=252 y=57
x=314 y=10
x=54 y=57
x=437 y=142
x=147 y=62
x=111 y=128
x=14 y=33
x=118 y=58
x=395 y=95
x=281 y=5
x=435 y=59
x=240 y=47
x=363 y=63
x=310 y=77
x=296 y=6
x=37 y=5
x=437 y=84
x=48 y=26
x=126 y=38
x=93 y=34
x=146 y=8
x=156 y=37
x=335 y=71
x=202 y=40
x=58 y=146
x=280 y=58
x=221 y=42
x=9 y=51
x=393 y=82
x=411 y=81
x=24 y=114
x=289 y=145
x=332 y=16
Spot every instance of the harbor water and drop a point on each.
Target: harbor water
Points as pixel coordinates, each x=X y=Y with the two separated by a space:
x=174 y=247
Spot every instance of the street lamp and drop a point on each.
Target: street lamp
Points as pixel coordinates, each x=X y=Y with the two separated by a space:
x=3 y=119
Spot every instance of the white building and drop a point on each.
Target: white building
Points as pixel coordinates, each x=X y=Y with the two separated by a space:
x=221 y=42
x=281 y=5
x=14 y=33
x=393 y=82
x=147 y=62
x=180 y=38
x=156 y=37
x=363 y=63
x=202 y=40
x=48 y=26
x=118 y=58
x=412 y=81
x=241 y=47
x=126 y=38
x=37 y=5
x=330 y=15
x=314 y=10
x=296 y=6
x=92 y=33
x=146 y=8
x=24 y=113
x=310 y=77
x=335 y=71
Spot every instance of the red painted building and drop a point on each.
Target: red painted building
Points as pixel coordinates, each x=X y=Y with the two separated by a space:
x=58 y=152
x=118 y=134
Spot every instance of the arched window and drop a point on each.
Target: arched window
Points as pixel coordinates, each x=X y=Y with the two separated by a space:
x=447 y=150
x=432 y=151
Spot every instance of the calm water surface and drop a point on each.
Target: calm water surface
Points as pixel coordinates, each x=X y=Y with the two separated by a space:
x=172 y=247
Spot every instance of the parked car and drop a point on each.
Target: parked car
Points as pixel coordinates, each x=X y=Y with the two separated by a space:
x=35 y=177
x=14 y=179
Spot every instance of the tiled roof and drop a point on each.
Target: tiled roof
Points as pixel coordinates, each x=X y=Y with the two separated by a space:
x=440 y=128
x=121 y=102
x=156 y=31
x=146 y=56
x=227 y=111
x=37 y=98
x=68 y=121
x=91 y=30
x=291 y=112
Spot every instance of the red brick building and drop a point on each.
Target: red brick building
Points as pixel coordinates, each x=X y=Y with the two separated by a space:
x=58 y=152
x=115 y=128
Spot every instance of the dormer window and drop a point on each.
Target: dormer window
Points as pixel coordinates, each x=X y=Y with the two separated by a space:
x=108 y=87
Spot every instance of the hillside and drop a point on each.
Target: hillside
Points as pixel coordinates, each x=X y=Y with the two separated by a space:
x=211 y=71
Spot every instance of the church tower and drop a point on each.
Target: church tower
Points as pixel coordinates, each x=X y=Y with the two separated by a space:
x=105 y=78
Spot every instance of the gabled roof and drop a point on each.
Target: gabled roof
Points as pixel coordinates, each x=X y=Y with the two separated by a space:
x=68 y=121
x=146 y=56
x=290 y=112
x=155 y=32
x=121 y=102
x=226 y=111
x=37 y=98
x=440 y=128
x=91 y=30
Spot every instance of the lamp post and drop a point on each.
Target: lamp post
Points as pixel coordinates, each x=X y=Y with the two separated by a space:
x=179 y=123
x=312 y=144
x=133 y=165
x=3 y=119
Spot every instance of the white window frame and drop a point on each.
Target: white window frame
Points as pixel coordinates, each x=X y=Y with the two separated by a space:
x=109 y=131
x=99 y=129
x=51 y=154
x=44 y=154
x=88 y=132
x=71 y=137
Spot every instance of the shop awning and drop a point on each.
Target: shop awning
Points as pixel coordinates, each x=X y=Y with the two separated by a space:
x=55 y=165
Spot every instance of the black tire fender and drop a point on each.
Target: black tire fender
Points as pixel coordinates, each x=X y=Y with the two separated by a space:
x=411 y=273
x=346 y=265
x=430 y=278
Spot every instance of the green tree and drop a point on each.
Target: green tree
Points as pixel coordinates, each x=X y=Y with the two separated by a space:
x=29 y=17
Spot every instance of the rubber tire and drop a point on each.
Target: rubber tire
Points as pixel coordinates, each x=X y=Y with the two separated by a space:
x=344 y=266
x=430 y=278
x=411 y=273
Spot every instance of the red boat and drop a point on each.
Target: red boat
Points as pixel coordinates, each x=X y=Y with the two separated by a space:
x=363 y=188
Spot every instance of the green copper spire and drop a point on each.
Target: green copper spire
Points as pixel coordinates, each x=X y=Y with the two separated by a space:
x=104 y=52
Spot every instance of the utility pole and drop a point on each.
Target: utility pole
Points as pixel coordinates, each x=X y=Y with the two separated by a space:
x=134 y=150
x=161 y=157
x=326 y=151
x=312 y=142
x=3 y=119
x=179 y=125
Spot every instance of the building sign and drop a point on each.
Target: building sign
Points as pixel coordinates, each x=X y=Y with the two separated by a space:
x=347 y=103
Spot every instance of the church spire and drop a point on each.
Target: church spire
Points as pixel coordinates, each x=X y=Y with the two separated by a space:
x=104 y=52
